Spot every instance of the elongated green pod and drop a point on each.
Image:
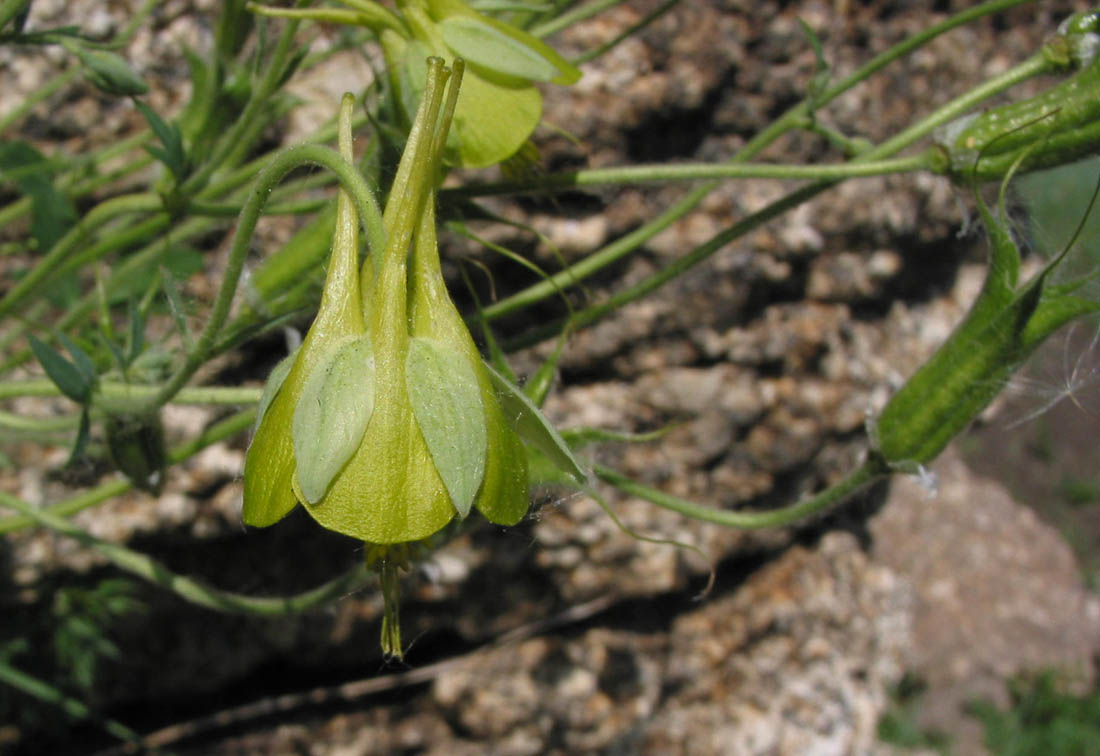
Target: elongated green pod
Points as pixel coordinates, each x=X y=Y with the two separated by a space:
x=1002 y=328
x=1056 y=126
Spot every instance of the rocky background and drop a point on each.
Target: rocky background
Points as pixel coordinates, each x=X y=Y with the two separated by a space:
x=565 y=634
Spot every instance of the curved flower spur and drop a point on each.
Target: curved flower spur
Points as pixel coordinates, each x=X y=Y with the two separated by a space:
x=386 y=424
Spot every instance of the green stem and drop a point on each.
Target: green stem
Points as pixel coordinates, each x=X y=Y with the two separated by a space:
x=231 y=142
x=610 y=44
x=793 y=118
x=36 y=425
x=147 y=568
x=574 y=16
x=97 y=217
x=668 y=172
x=220 y=431
x=282 y=163
x=868 y=472
x=71 y=706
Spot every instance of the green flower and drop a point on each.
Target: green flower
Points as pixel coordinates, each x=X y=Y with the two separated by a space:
x=500 y=107
x=386 y=424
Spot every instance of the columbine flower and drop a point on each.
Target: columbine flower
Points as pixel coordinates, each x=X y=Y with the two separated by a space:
x=385 y=424
x=500 y=106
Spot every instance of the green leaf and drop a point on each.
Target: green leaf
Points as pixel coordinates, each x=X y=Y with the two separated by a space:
x=274 y=384
x=446 y=400
x=493 y=119
x=52 y=213
x=172 y=153
x=533 y=427
x=334 y=407
x=175 y=306
x=80 y=358
x=65 y=375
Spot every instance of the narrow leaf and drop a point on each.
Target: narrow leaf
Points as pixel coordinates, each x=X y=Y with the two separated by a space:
x=533 y=427
x=65 y=375
x=332 y=413
x=172 y=153
x=80 y=358
x=446 y=400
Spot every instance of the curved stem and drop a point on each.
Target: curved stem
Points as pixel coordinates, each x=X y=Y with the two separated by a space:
x=285 y=161
x=192 y=590
x=870 y=471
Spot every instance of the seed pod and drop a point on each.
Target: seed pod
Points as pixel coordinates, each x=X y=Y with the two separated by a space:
x=136 y=446
x=1002 y=328
x=1059 y=125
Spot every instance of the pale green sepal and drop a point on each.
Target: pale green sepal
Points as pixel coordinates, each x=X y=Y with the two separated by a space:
x=273 y=386
x=485 y=45
x=499 y=46
x=446 y=400
x=334 y=407
x=533 y=427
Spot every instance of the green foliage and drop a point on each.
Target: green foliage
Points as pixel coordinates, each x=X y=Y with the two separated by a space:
x=170 y=151
x=52 y=212
x=75 y=379
x=83 y=619
x=1080 y=492
x=899 y=724
x=1042 y=721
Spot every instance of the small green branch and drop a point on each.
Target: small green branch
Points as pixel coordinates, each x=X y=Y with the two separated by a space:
x=796 y=117
x=870 y=471
x=220 y=431
x=158 y=574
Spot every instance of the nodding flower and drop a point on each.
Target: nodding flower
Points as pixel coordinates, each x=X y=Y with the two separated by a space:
x=385 y=425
